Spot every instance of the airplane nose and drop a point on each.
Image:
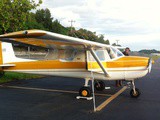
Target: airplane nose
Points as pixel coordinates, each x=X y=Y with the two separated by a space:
x=150 y=61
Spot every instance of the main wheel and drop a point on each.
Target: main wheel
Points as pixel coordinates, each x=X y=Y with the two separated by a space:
x=135 y=95
x=99 y=86
x=85 y=92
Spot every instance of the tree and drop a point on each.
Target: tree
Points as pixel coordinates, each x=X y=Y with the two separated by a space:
x=84 y=34
x=102 y=40
x=32 y=23
x=14 y=13
x=114 y=44
x=88 y=35
x=58 y=28
x=106 y=42
x=149 y=51
x=43 y=16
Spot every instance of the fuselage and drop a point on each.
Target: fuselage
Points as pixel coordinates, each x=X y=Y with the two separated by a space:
x=78 y=63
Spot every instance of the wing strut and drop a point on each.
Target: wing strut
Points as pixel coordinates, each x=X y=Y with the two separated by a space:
x=98 y=61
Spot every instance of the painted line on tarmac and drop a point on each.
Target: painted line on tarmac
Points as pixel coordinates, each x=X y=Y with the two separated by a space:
x=49 y=90
x=107 y=101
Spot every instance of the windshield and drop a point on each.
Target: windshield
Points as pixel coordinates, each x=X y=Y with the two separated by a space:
x=114 y=52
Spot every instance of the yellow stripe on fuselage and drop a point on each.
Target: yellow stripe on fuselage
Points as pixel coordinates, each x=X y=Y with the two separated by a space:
x=126 y=61
x=123 y=62
x=47 y=64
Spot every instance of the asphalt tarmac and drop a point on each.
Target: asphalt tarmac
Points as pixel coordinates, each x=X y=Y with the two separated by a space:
x=54 y=98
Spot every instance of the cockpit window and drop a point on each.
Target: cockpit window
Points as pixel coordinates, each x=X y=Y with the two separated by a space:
x=100 y=54
x=114 y=53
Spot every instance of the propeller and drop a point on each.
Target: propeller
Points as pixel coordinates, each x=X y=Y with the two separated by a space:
x=149 y=65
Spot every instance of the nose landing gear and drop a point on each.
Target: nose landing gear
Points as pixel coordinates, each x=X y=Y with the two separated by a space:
x=135 y=93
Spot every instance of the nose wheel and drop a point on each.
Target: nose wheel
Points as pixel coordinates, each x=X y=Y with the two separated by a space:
x=135 y=92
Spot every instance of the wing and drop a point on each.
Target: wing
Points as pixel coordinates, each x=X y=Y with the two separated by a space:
x=46 y=39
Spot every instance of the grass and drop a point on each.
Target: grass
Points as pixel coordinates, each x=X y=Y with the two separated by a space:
x=11 y=76
x=155 y=57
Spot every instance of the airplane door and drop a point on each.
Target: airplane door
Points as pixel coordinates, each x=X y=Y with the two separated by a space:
x=92 y=65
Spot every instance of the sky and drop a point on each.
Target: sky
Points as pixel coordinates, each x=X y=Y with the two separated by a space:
x=135 y=23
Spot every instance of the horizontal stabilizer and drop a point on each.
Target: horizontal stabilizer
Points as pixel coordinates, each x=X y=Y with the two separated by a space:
x=7 y=65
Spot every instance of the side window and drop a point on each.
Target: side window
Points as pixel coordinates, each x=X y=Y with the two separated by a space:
x=64 y=53
x=52 y=54
x=30 y=52
x=70 y=54
x=99 y=53
x=67 y=54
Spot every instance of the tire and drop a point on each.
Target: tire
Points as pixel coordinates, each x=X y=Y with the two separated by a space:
x=99 y=86
x=133 y=95
x=85 y=92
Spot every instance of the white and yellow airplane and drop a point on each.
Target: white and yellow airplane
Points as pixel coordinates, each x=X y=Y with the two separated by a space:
x=71 y=57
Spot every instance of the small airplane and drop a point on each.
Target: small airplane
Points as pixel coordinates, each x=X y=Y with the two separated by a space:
x=61 y=55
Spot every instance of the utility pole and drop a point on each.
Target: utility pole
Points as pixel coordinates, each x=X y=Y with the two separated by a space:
x=117 y=41
x=72 y=21
x=29 y=49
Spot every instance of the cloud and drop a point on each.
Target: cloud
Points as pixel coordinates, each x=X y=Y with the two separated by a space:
x=66 y=17
x=135 y=23
x=61 y=3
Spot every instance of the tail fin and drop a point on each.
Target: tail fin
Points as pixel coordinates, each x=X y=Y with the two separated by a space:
x=4 y=56
x=8 y=55
x=1 y=60
x=7 y=52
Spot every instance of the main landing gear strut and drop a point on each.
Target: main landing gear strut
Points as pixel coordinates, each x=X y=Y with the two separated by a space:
x=86 y=91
